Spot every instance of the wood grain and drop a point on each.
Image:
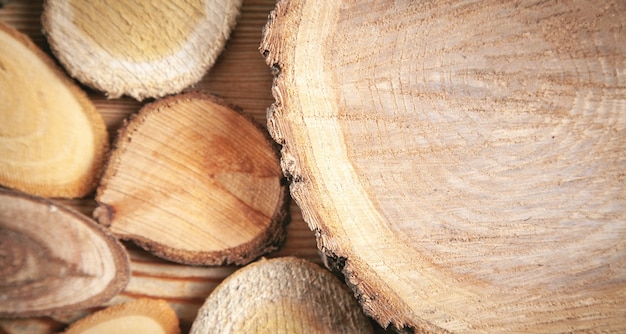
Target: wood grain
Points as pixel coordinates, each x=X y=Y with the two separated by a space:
x=137 y=316
x=464 y=160
x=195 y=181
x=281 y=295
x=53 y=142
x=48 y=253
x=136 y=48
x=239 y=76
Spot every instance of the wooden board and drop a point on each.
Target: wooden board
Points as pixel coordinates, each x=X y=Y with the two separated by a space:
x=241 y=77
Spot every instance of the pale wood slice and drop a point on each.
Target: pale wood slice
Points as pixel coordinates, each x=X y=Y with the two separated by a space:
x=195 y=181
x=138 y=48
x=240 y=77
x=53 y=141
x=54 y=260
x=138 y=316
x=465 y=159
x=281 y=295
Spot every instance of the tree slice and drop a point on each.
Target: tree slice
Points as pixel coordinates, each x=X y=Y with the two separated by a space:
x=465 y=159
x=138 y=316
x=195 y=182
x=54 y=260
x=282 y=295
x=52 y=139
x=142 y=49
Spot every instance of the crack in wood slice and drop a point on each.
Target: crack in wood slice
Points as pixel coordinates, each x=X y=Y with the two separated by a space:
x=466 y=159
x=285 y=294
x=196 y=182
x=142 y=49
x=53 y=141
x=54 y=260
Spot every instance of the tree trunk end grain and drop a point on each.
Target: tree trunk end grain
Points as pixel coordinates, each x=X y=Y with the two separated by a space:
x=465 y=161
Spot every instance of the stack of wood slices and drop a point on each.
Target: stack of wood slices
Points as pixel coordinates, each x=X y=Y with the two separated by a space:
x=185 y=190
x=457 y=167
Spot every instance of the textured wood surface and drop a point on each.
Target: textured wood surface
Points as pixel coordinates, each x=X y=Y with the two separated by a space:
x=48 y=253
x=239 y=76
x=137 y=48
x=195 y=181
x=52 y=139
x=464 y=160
x=137 y=316
x=282 y=295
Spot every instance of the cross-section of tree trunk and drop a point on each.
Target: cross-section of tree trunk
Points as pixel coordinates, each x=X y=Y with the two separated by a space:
x=53 y=141
x=196 y=182
x=54 y=260
x=464 y=159
x=138 y=48
x=282 y=295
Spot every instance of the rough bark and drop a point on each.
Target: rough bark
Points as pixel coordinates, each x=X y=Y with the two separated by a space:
x=464 y=160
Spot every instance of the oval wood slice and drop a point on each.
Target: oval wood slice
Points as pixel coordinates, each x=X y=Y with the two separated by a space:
x=138 y=316
x=138 y=48
x=54 y=260
x=53 y=141
x=465 y=159
x=281 y=295
x=195 y=181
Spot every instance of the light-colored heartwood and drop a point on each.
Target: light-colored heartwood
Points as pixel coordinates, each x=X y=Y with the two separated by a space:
x=54 y=260
x=53 y=141
x=465 y=159
x=139 y=48
x=137 y=316
x=281 y=295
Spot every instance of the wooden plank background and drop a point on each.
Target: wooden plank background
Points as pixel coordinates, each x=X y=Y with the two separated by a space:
x=241 y=77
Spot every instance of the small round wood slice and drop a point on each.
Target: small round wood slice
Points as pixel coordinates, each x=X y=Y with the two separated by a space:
x=54 y=260
x=281 y=295
x=138 y=48
x=466 y=160
x=154 y=316
x=195 y=181
x=53 y=141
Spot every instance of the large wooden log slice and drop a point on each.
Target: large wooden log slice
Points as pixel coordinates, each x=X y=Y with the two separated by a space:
x=466 y=160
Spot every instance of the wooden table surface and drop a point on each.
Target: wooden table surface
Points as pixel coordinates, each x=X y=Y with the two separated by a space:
x=241 y=77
